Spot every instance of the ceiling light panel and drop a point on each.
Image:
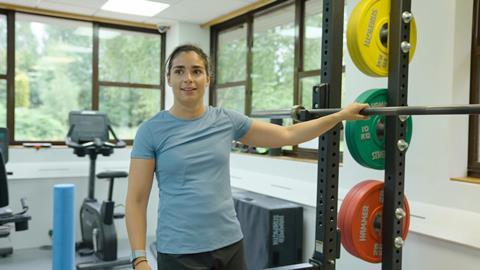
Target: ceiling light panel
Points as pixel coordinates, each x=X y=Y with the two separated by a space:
x=137 y=7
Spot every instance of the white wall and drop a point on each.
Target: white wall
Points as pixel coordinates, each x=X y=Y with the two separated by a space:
x=446 y=214
x=36 y=172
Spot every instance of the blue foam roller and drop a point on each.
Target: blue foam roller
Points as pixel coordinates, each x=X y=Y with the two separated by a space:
x=63 y=250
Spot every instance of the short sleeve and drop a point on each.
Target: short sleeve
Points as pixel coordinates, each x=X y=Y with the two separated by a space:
x=241 y=123
x=143 y=147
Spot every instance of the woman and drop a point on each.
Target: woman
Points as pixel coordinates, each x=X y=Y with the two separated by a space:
x=188 y=148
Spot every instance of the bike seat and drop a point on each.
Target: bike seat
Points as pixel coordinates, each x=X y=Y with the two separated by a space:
x=112 y=174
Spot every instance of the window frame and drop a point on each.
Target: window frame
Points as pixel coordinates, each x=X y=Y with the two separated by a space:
x=298 y=74
x=96 y=82
x=473 y=132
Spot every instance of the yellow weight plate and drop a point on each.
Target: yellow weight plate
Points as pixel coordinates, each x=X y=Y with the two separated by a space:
x=352 y=40
x=359 y=15
x=358 y=60
x=367 y=37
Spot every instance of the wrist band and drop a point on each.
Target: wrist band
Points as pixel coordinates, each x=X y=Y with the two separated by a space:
x=139 y=261
x=138 y=258
x=137 y=254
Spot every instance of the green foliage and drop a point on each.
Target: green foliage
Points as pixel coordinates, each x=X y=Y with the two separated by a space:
x=133 y=58
x=38 y=125
x=3 y=44
x=232 y=98
x=129 y=57
x=3 y=115
x=22 y=91
x=232 y=61
x=61 y=95
x=127 y=108
x=273 y=63
x=272 y=70
x=54 y=77
x=312 y=46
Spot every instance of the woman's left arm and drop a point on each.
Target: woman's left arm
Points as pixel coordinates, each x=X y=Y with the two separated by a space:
x=264 y=134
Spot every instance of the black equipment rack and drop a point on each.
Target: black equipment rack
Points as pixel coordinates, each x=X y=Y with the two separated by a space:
x=327 y=95
x=395 y=130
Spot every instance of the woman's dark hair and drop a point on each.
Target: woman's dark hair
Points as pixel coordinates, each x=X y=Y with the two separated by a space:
x=188 y=48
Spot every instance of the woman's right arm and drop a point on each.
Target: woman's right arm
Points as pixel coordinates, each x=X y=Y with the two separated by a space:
x=140 y=181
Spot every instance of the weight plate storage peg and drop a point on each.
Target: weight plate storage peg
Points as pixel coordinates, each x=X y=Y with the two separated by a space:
x=360 y=220
x=367 y=37
x=365 y=138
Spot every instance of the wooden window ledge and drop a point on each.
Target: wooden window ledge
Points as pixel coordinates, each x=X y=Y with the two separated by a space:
x=466 y=179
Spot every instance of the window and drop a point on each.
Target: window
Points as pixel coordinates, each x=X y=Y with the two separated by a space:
x=127 y=108
x=52 y=76
x=129 y=78
x=312 y=35
x=309 y=70
x=65 y=64
x=231 y=72
x=474 y=138
x=129 y=57
x=273 y=54
x=3 y=103
x=3 y=70
x=269 y=59
x=3 y=44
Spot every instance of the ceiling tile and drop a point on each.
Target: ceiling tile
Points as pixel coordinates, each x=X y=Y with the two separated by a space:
x=67 y=8
x=195 y=11
x=192 y=11
x=25 y=3
x=170 y=2
x=79 y=3
x=159 y=21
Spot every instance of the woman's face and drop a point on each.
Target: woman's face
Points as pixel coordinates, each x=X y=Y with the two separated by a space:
x=188 y=78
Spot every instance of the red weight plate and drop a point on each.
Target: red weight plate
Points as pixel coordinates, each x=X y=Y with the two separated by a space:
x=352 y=211
x=362 y=222
x=342 y=213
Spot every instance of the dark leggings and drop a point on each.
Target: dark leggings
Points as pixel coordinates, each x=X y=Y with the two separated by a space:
x=231 y=257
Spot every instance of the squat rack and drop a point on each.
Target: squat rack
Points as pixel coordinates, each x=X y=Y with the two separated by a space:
x=399 y=32
x=326 y=96
x=327 y=100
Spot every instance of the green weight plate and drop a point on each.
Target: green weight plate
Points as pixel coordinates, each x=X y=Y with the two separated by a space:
x=358 y=140
x=350 y=143
x=365 y=138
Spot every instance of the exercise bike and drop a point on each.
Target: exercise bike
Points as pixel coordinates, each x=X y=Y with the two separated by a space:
x=89 y=135
x=7 y=217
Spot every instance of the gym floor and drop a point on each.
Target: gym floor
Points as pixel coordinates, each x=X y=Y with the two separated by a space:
x=41 y=258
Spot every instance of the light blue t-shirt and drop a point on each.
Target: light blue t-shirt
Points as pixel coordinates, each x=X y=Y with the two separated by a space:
x=192 y=166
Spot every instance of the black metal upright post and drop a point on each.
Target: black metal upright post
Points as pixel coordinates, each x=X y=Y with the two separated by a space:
x=327 y=240
x=395 y=145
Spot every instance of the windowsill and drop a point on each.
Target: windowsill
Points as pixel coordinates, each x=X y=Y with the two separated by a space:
x=293 y=158
x=277 y=157
x=471 y=180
